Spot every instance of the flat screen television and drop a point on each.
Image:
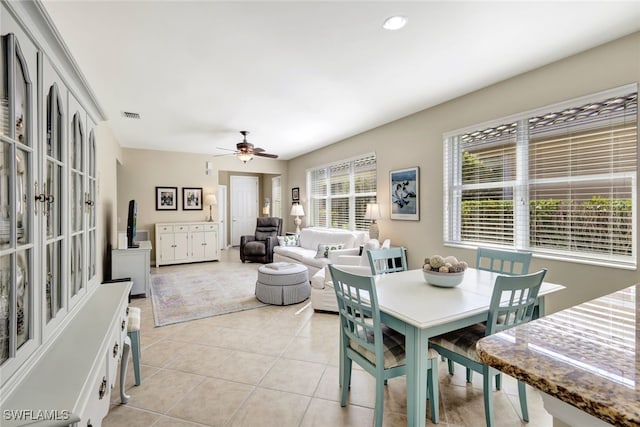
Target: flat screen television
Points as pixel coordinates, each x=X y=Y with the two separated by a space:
x=131 y=224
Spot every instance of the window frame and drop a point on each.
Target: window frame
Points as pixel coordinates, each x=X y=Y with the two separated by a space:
x=452 y=183
x=350 y=196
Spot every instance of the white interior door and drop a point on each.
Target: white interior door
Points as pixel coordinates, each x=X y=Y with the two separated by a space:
x=222 y=217
x=244 y=206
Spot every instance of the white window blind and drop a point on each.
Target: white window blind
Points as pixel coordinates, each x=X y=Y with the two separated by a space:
x=561 y=182
x=339 y=193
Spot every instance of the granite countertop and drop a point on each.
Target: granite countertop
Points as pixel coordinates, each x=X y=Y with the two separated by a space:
x=586 y=356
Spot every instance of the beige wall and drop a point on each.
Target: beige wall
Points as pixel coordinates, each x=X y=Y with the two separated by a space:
x=108 y=154
x=142 y=170
x=417 y=141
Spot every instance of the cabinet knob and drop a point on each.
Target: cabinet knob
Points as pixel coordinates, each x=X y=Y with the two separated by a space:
x=89 y=423
x=127 y=311
x=124 y=325
x=115 y=349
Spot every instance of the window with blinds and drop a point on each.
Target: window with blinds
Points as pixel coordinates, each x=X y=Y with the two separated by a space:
x=339 y=193
x=276 y=197
x=561 y=182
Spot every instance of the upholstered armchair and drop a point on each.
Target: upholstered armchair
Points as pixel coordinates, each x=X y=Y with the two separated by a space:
x=259 y=247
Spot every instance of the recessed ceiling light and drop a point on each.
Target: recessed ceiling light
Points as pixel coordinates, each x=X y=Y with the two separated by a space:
x=395 y=22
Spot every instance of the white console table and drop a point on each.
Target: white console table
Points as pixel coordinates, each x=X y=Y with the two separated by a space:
x=134 y=263
x=183 y=242
x=73 y=378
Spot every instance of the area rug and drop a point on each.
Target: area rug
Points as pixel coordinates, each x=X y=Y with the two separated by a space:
x=188 y=294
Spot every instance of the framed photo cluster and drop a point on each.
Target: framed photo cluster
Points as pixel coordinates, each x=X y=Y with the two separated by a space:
x=167 y=198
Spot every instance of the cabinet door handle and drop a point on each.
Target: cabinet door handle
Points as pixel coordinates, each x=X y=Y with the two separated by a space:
x=124 y=325
x=115 y=349
x=103 y=388
x=127 y=311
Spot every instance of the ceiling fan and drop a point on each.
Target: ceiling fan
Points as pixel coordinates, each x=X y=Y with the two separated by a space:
x=245 y=150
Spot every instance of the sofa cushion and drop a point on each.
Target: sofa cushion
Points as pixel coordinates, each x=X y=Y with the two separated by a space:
x=311 y=237
x=295 y=252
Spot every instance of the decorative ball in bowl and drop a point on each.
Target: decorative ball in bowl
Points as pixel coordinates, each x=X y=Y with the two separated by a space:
x=443 y=271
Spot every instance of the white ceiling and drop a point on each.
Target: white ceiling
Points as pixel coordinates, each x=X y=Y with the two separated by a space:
x=302 y=75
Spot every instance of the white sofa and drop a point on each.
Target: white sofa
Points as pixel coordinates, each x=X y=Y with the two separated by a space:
x=323 y=297
x=309 y=240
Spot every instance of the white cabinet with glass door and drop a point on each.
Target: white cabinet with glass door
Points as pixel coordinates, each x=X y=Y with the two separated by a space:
x=18 y=142
x=48 y=188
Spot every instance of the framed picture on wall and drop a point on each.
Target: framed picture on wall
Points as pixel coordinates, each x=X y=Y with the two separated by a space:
x=166 y=198
x=295 y=194
x=405 y=195
x=191 y=199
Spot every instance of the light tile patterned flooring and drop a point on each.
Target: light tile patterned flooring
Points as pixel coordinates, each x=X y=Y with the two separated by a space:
x=278 y=366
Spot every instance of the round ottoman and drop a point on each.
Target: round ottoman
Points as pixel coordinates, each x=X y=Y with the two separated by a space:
x=284 y=285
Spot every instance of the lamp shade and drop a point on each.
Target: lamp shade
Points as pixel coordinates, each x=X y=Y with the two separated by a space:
x=296 y=210
x=373 y=211
x=210 y=199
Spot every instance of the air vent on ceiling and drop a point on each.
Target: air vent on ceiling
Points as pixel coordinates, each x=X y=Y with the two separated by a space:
x=130 y=115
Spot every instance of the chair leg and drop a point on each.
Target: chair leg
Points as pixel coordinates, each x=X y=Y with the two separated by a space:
x=499 y=382
x=346 y=380
x=488 y=395
x=135 y=347
x=434 y=391
x=379 y=400
x=450 y=365
x=522 y=394
x=469 y=375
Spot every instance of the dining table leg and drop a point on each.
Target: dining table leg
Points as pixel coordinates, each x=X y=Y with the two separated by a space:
x=417 y=372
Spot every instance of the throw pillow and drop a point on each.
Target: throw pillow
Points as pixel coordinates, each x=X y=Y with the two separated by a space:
x=323 y=249
x=371 y=245
x=289 y=240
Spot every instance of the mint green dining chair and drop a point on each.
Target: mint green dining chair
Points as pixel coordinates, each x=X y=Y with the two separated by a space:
x=513 y=302
x=364 y=339
x=498 y=261
x=390 y=260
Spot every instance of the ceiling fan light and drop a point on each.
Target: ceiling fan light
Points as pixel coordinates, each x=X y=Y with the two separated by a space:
x=245 y=157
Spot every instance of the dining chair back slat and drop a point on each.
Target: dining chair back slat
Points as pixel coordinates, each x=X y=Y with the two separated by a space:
x=503 y=261
x=389 y=260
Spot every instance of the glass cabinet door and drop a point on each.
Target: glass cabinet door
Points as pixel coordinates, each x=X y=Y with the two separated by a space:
x=16 y=202
x=77 y=279
x=52 y=203
x=90 y=204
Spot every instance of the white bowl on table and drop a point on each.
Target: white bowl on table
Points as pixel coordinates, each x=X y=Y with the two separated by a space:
x=444 y=280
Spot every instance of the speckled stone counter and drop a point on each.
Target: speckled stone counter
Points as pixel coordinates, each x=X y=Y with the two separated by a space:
x=587 y=356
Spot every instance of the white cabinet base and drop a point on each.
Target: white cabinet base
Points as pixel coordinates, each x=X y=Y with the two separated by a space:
x=183 y=242
x=134 y=263
x=565 y=415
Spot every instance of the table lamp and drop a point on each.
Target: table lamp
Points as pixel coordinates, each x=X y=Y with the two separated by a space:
x=297 y=211
x=373 y=214
x=210 y=199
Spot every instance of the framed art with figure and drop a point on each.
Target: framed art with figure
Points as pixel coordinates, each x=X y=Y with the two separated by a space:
x=166 y=198
x=405 y=197
x=191 y=199
x=295 y=194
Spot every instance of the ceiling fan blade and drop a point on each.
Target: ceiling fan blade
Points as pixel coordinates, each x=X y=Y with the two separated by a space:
x=258 y=150
x=223 y=155
x=224 y=149
x=261 y=154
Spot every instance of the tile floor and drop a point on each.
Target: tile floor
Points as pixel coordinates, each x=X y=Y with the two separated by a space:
x=278 y=366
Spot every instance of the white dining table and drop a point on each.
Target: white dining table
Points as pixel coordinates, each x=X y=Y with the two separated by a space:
x=420 y=310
